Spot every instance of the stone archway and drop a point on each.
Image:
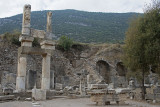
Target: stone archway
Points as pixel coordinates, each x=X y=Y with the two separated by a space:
x=120 y=69
x=103 y=69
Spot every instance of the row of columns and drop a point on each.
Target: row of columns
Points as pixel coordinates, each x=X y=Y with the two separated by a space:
x=26 y=41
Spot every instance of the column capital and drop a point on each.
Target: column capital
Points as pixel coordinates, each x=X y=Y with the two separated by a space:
x=26 y=40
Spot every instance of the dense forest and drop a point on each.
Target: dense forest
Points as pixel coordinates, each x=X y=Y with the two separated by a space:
x=81 y=26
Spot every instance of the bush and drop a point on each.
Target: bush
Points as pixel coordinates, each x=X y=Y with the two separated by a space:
x=12 y=38
x=15 y=41
x=65 y=43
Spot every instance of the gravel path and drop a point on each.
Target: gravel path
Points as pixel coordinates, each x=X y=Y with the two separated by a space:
x=63 y=102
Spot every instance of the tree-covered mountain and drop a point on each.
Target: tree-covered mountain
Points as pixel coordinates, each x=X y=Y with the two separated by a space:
x=80 y=25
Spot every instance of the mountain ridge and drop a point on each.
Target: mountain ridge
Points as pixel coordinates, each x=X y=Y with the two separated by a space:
x=79 y=25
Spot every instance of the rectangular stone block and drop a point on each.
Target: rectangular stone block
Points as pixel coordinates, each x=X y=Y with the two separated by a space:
x=38 y=94
x=20 y=84
x=38 y=33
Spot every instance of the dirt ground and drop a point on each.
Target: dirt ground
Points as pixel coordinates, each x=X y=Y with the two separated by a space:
x=64 y=102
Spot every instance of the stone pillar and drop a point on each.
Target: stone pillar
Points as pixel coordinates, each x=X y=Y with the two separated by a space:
x=26 y=40
x=45 y=85
x=49 y=34
x=49 y=22
x=48 y=46
x=21 y=74
x=26 y=19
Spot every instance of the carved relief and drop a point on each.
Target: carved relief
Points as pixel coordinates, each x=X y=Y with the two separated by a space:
x=26 y=14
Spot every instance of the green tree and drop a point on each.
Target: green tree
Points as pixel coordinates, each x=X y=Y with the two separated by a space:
x=65 y=42
x=142 y=42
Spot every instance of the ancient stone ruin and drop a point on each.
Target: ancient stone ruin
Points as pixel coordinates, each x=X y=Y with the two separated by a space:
x=26 y=48
x=41 y=73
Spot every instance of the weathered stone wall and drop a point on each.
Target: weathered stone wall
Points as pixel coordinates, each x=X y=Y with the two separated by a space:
x=66 y=65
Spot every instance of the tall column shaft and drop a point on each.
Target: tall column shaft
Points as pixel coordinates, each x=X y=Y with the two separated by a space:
x=49 y=22
x=21 y=74
x=46 y=72
x=26 y=20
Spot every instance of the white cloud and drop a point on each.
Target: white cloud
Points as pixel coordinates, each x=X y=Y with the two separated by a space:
x=13 y=7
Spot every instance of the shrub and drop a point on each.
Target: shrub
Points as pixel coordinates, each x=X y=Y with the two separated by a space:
x=65 y=42
x=12 y=38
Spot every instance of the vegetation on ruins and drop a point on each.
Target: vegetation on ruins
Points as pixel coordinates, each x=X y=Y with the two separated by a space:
x=142 y=43
x=65 y=43
x=12 y=37
x=81 y=26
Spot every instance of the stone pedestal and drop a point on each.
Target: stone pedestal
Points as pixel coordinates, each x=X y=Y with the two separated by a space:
x=38 y=94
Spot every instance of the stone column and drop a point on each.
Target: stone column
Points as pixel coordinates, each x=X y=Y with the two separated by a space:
x=48 y=46
x=21 y=74
x=49 y=22
x=45 y=85
x=26 y=19
x=26 y=40
x=49 y=34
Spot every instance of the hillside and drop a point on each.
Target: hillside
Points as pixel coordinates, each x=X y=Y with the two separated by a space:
x=80 y=25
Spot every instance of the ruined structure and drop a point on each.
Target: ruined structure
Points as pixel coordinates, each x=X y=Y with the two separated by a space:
x=68 y=72
x=26 y=48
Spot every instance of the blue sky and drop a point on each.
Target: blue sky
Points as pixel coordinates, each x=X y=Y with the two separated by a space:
x=13 y=7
